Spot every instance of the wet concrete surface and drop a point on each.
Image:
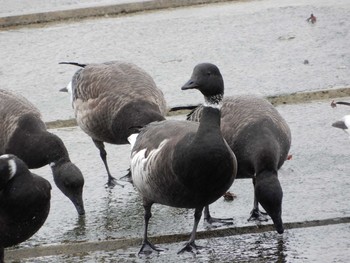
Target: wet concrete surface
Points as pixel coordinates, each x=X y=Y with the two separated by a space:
x=260 y=47
x=315 y=184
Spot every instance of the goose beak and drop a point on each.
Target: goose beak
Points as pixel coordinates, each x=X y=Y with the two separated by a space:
x=190 y=85
x=64 y=89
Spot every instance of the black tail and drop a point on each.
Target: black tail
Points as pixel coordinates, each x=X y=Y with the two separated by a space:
x=74 y=63
x=189 y=107
x=334 y=103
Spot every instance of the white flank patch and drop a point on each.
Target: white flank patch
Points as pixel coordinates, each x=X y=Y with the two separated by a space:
x=142 y=166
x=12 y=168
x=132 y=139
x=52 y=164
x=70 y=91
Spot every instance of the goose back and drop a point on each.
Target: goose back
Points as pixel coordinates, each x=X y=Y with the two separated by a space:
x=255 y=130
x=12 y=108
x=181 y=168
x=111 y=97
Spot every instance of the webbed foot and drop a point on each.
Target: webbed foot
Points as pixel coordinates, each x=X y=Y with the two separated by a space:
x=112 y=182
x=147 y=248
x=189 y=247
x=257 y=215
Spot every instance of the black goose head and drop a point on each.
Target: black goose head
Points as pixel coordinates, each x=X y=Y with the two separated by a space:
x=206 y=77
x=70 y=181
x=269 y=193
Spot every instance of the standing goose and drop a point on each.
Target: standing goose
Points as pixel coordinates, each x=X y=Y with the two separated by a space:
x=111 y=99
x=24 y=202
x=344 y=123
x=260 y=139
x=183 y=164
x=24 y=134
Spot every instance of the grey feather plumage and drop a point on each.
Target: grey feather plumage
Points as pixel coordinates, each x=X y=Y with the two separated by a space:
x=100 y=91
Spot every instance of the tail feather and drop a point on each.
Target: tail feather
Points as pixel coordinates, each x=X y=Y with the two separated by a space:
x=188 y=107
x=73 y=63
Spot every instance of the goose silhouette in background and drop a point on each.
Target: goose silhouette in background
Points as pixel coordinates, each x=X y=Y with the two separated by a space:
x=260 y=138
x=24 y=134
x=344 y=123
x=111 y=100
x=24 y=202
x=184 y=164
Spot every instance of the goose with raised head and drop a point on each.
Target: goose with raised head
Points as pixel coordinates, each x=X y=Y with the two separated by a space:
x=111 y=100
x=24 y=202
x=260 y=138
x=184 y=164
x=24 y=134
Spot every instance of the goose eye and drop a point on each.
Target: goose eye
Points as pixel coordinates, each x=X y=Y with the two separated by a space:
x=208 y=73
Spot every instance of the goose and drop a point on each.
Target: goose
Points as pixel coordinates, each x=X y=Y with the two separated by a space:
x=111 y=100
x=24 y=202
x=260 y=138
x=24 y=134
x=344 y=123
x=181 y=163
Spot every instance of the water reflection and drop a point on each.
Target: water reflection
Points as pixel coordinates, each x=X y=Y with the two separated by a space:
x=78 y=231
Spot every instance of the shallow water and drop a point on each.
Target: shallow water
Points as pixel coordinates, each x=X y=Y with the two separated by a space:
x=260 y=47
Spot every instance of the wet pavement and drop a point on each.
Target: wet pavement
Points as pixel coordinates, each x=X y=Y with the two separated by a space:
x=315 y=184
x=260 y=47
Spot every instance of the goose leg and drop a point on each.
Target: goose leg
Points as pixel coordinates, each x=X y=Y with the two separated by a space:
x=190 y=245
x=211 y=220
x=111 y=180
x=256 y=214
x=147 y=247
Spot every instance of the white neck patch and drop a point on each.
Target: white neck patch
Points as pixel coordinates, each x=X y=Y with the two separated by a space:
x=212 y=105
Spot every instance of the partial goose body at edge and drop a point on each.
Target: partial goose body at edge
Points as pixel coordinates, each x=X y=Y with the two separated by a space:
x=24 y=202
x=24 y=134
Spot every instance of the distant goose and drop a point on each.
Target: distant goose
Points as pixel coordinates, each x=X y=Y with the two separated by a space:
x=111 y=99
x=24 y=202
x=24 y=134
x=260 y=139
x=183 y=164
x=344 y=123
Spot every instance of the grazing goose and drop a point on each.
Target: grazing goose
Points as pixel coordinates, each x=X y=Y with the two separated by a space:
x=183 y=164
x=260 y=139
x=111 y=99
x=24 y=202
x=24 y=134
